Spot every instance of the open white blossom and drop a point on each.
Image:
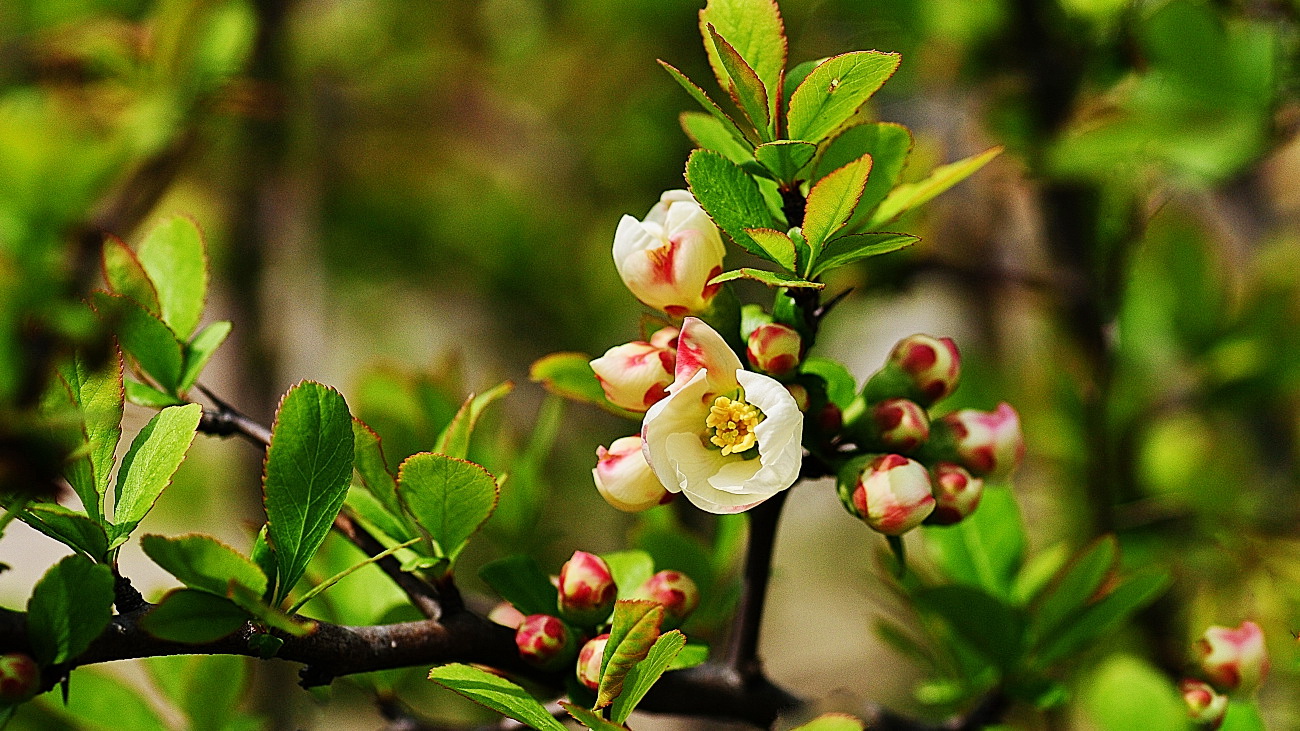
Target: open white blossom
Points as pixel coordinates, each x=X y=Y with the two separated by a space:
x=726 y=437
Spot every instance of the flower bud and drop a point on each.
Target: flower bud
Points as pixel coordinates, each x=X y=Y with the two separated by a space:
x=921 y=368
x=900 y=425
x=956 y=494
x=667 y=260
x=20 y=678
x=545 y=642
x=589 y=660
x=666 y=337
x=774 y=348
x=587 y=590
x=1204 y=706
x=1233 y=659
x=984 y=442
x=891 y=493
x=635 y=375
x=675 y=591
x=624 y=478
x=506 y=615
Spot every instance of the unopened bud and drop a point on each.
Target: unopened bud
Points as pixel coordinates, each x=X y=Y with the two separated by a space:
x=674 y=590
x=774 y=348
x=666 y=337
x=20 y=678
x=635 y=375
x=1233 y=659
x=891 y=493
x=956 y=494
x=922 y=368
x=984 y=442
x=589 y=659
x=801 y=397
x=587 y=590
x=1205 y=707
x=545 y=642
x=900 y=425
x=668 y=259
x=505 y=614
x=624 y=478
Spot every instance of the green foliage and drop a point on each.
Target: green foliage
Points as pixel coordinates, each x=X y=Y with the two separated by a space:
x=194 y=617
x=633 y=631
x=204 y=563
x=832 y=722
x=570 y=375
x=69 y=607
x=496 y=693
x=835 y=89
x=730 y=197
x=646 y=673
x=449 y=500
x=520 y=581
x=148 y=466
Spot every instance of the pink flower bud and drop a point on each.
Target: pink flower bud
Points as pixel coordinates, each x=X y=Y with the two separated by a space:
x=545 y=642
x=20 y=678
x=774 y=348
x=624 y=478
x=1204 y=706
x=667 y=260
x=932 y=364
x=506 y=615
x=675 y=591
x=635 y=375
x=666 y=337
x=587 y=590
x=589 y=660
x=891 y=493
x=956 y=494
x=900 y=425
x=1233 y=659
x=986 y=442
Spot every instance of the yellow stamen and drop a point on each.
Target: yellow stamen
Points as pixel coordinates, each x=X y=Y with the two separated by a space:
x=733 y=425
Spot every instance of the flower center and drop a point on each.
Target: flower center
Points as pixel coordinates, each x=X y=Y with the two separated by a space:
x=732 y=424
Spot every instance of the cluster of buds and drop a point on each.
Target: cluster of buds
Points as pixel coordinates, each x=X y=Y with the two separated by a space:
x=586 y=594
x=918 y=469
x=1230 y=661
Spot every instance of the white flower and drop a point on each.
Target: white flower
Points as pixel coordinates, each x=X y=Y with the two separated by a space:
x=635 y=375
x=668 y=259
x=726 y=437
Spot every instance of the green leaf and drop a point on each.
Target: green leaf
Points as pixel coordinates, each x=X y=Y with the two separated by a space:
x=98 y=701
x=888 y=144
x=150 y=397
x=647 y=673
x=1243 y=715
x=1127 y=694
x=204 y=563
x=746 y=88
x=1040 y=569
x=308 y=468
x=990 y=626
x=201 y=349
x=841 y=388
x=454 y=440
x=706 y=131
x=1104 y=616
x=496 y=693
x=520 y=581
x=187 y=682
x=449 y=499
x=173 y=255
x=144 y=337
x=856 y=247
x=630 y=569
x=785 y=158
x=570 y=375
x=755 y=30
x=99 y=398
x=835 y=90
x=910 y=195
x=1074 y=587
x=125 y=275
x=148 y=466
x=194 y=617
x=632 y=633
x=727 y=123
x=690 y=656
x=831 y=202
x=70 y=606
x=832 y=722
x=591 y=719
x=69 y=528
x=779 y=246
x=730 y=197
x=985 y=549
x=771 y=279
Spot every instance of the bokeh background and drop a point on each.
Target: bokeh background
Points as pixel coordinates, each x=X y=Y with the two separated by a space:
x=415 y=200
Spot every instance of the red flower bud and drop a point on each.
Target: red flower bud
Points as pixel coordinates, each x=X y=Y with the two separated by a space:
x=956 y=494
x=932 y=364
x=900 y=425
x=891 y=493
x=545 y=642
x=1233 y=659
x=587 y=590
x=985 y=442
x=589 y=660
x=635 y=375
x=675 y=591
x=20 y=678
x=1204 y=706
x=774 y=348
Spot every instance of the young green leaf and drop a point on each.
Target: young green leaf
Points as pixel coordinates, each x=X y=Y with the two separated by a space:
x=985 y=549
x=173 y=255
x=730 y=197
x=835 y=90
x=99 y=701
x=201 y=349
x=1104 y=616
x=706 y=131
x=690 y=656
x=520 y=581
x=69 y=528
x=1127 y=694
x=755 y=30
x=910 y=195
x=784 y=159
x=841 y=388
x=1074 y=587
x=746 y=88
x=187 y=682
x=646 y=673
x=496 y=693
x=150 y=397
x=454 y=440
x=570 y=375
x=308 y=468
x=144 y=337
x=194 y=617
x=383 y=509
x=856 y=247
x=629 y=569
x=832 y=722
x=779 y=246
x=99 y=397
x=125 y=275
x=70 y=606
x=449 y=499
x=633 y=631
x=204 y=563
x=148 y=466
x=771 y=279
x=698 y=94
x=831 y=202
x=888 y=144
x=590 y=718
x=993 y=628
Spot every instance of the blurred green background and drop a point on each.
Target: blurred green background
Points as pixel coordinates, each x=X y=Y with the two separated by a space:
x=413 y=200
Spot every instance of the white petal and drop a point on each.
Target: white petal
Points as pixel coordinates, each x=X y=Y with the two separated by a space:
x=701 y=347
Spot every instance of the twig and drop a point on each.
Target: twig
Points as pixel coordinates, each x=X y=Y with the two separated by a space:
x=742 y=649
x=226 y=421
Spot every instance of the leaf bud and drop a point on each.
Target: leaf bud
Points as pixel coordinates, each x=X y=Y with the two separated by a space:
x=774 y=348
x=624 y=478
x=922 y=368
x=589 y=660
x=1233 y=659
x=545 y=642
x=1205 y=706
x=956 y=494
x=891 y=493
x=674 y=590
x=587 y=590
x=984 y=442
x=635 y=375
x=20 y=678
x=668 y=259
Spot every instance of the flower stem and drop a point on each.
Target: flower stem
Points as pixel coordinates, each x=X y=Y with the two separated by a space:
x=742 y=651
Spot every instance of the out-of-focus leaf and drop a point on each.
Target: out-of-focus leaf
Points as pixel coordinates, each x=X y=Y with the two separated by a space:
x=149 y=397
x=985 y=549
x=832 y=722
x=570 y=375
x=126 y=276
x=454 y=440
x=194 y=617
x=520 y=581
x=990 y=626
x=835 y=90
x=148 y=466
x=1127 y=694
x=1038 y=571
x=144 y=337
x=633 y=631
x=771 y=279
x=831 y=202
x=841 y=388
x=204 y=563
x=888 y=144
x=730 y=196
x=187 y=682
x=706 y=131
x=590 y=718
x=173 y=255
x=201 y=349
x=785 y=158
x=910 y=195
x=646 y=673
x=496 y=693
x=779 y=246
x=98 y=701
x=1104 y=616
x=856 y=247
x=70 y=606
x=754 y=28
x=1074 y=587
x=449 y=499
x=629 y=569
x=99 y=397
x=746 y=88
x=69 y=528
x=698 y=94
x=1243 y=715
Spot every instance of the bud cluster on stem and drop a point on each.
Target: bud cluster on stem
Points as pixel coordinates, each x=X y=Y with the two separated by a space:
x=1230 y=662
